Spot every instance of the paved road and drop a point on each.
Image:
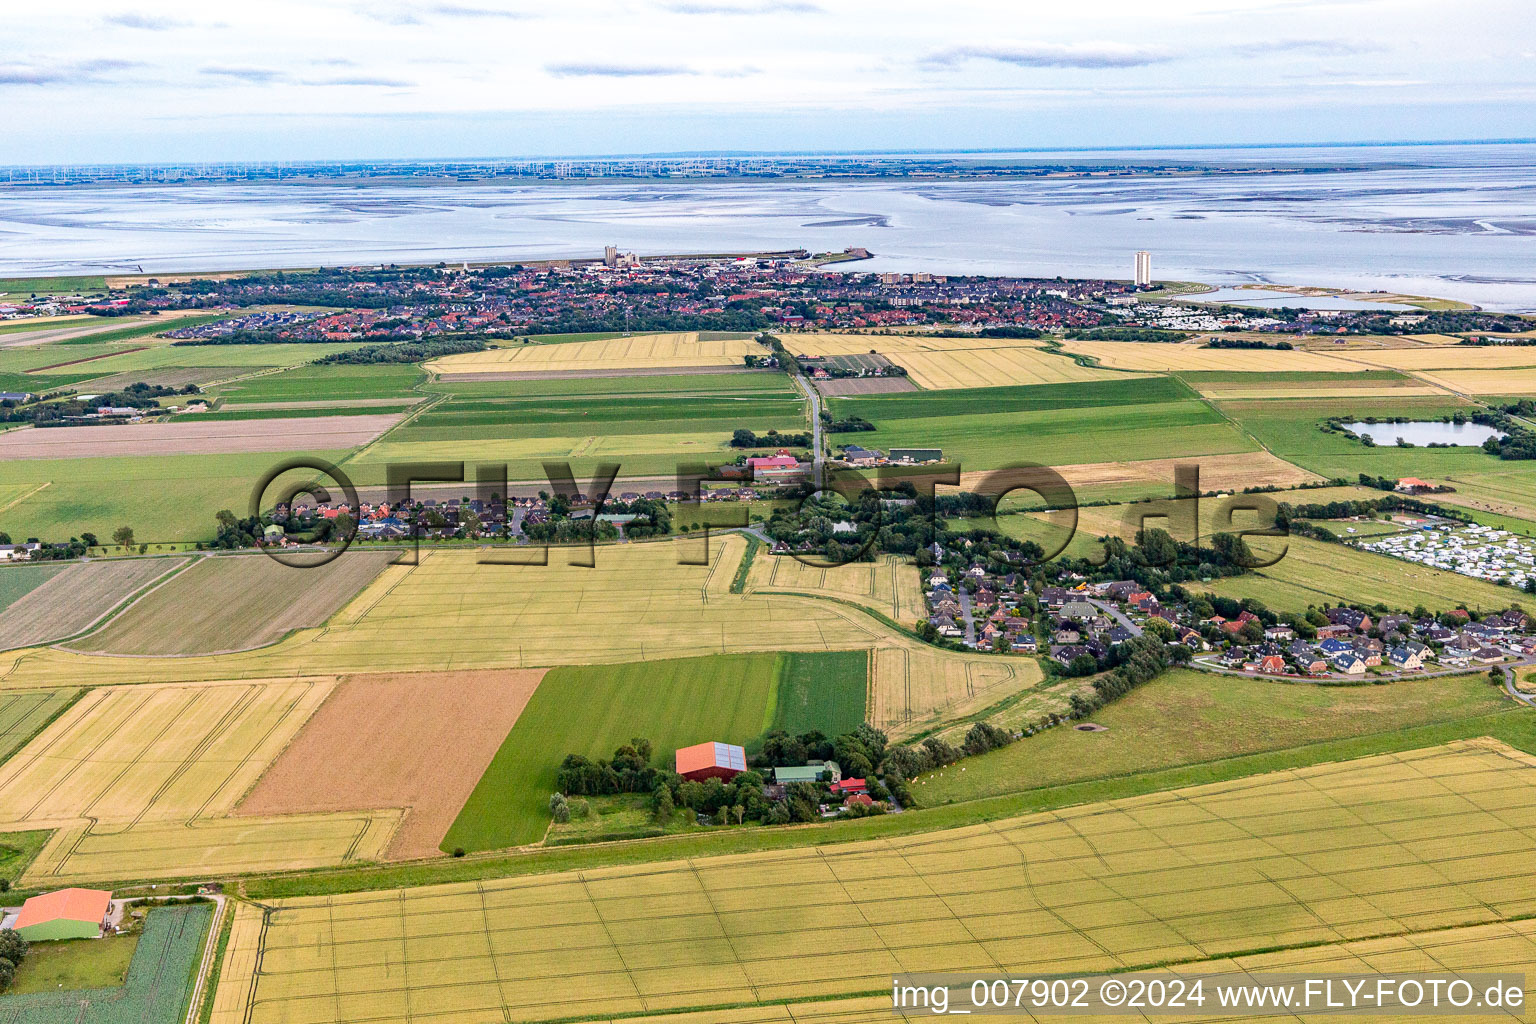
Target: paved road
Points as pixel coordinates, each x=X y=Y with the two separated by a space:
x=1508 y=675
x=1115 y=613
x=815 y=400
x=968 y=616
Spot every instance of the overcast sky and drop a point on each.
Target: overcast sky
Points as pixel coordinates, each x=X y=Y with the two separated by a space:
x=101 y=80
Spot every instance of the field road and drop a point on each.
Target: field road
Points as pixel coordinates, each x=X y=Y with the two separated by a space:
x=815 y=400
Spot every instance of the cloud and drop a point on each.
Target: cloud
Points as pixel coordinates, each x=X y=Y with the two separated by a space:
x=748 y=7
x=416 y=14
x=1310 y=47
x=1052 y=55
x=362 y=80
x=472 y=11
x=147 y=22
x=244 y=74
x=75 y=73
x=617 y=70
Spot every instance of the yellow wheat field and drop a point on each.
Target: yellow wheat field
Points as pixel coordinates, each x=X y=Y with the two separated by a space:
x=914 y=687
x=890 y=585
x=139 y=780
x=1515 y=381
x=1166 y=358
x=943 y=363
x=637 y=604
x=1449 y=357
x=647 y=351
x=1313 y=859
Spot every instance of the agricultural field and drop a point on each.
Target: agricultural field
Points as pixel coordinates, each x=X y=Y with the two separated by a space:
x=826 y=692
x=73 y=600
x=1166 y=357
x=677 y=385
x=1316 y=573
x=140 y=781
x=889 y=585
x=646 y=435
x=16 y=581
x=609 y=357
x=915 y=688
x=387 y=381
x=1273 y=861
x=1189 y=718
x=233 y=603
x=591 y=710
x=164 y=498
x=419 y=741
x=158 y=983
x=1361 y=384
x=1520 y=381
x=190 y=435
x=24 y=712
x=947 y=363
x=1449 y=357
x=1055 y=425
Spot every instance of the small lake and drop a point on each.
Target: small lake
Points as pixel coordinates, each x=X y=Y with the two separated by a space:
x=1425 y=433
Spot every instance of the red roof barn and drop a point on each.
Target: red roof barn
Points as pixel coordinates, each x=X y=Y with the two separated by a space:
x=711 y=761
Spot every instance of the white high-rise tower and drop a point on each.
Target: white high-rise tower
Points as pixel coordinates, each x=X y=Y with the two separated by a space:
x=1143 y=268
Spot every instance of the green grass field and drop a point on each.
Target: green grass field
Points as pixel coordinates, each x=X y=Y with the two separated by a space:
x=76 y=964
x=1187 y=717
x=23 y=713
x=591 y=710
x=18 y=849
x=824 y=691
x=25 y=286
x=1052 y=424
x=674 y=384
x=163 y=497
x=19 y=580
x=317 y=383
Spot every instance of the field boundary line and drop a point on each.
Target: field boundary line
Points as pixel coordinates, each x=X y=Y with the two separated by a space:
x=183 y=562
x=18 y=500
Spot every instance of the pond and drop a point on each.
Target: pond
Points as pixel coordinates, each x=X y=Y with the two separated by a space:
x=1425 y=433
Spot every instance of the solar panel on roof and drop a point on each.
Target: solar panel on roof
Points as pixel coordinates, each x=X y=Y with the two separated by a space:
x=730 y=756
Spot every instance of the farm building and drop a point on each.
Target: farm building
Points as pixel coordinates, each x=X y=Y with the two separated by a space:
x=808 y=772
x=917 y=455
x=64 y=914
x=711 y=761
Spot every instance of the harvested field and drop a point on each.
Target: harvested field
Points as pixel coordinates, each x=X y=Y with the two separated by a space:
x=865 y=386
x=233 y=603
x=76 y=598
x=948 y=363
x=646 y=371
x=188 y=436
x=418 y=741
x=1217 y=472
x=1391 y=845
x=455 y=611
x=1169 y=357
x=683 y=352
x=890 y=585
x=915 y=687
x=1449 y=357
x=1486 y=382
x=138 y=781
x=16 y=581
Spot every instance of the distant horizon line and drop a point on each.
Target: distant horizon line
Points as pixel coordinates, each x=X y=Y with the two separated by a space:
x=794 y=153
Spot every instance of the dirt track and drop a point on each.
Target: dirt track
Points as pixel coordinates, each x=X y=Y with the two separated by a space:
x=188 y=436
x=419 y=740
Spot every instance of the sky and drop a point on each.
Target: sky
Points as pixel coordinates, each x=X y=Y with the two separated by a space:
x=102 y=81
